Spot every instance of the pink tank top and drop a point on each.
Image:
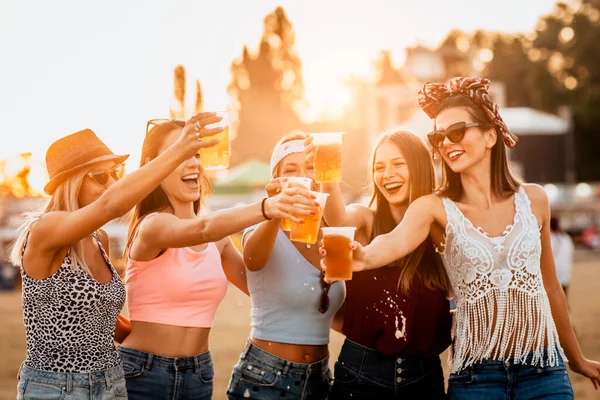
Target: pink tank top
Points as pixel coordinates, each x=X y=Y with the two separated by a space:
x=181 y=287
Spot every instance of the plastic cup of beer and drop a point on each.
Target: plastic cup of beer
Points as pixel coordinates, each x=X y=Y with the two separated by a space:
x=295 y=181
x=308 y=232
x=328 y=157
x=217 y=157
x=336 y=241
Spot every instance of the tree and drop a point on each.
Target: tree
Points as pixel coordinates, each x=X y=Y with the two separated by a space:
x=179 y=81
x=567 y=40
x=199 y=105
x=388 y=74
x=526 y=78
x=267 y=87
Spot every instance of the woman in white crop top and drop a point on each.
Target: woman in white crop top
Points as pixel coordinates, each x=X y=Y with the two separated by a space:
x=493 y=234
x=179 y=263
x=292 y=306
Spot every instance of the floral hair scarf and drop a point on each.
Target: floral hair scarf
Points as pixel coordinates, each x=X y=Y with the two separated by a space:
x=432 y=94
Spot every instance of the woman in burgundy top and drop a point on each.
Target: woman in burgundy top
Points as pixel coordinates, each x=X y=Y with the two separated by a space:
x=397 y=319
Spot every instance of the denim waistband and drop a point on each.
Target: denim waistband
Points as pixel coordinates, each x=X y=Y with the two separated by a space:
x=71 y=379
x=529 y=360
x=149 y=360
x=280 y=364
x=387 y=370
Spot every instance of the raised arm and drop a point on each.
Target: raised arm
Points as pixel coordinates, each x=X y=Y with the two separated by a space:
x=404 y=239
x=556 y=295
x=258 y=244
x=164 y=230
x=336 y=213
x=58 y=229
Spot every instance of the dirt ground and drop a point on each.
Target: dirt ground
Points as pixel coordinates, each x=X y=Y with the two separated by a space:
x=231 y=330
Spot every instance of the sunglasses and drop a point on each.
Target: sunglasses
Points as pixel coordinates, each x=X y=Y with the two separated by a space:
x=159 y=121
x=324 y=302
x=101 y=177
x=455 y=133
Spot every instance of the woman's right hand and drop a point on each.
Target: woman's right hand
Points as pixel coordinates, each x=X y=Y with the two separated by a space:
x=291 y=203
x=359 y=256
x=309 y=149
x=193 y=132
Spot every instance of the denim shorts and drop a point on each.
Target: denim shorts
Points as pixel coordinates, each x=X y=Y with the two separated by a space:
x=500 y=380
x=150 y=376
x=364 y=373
x=44 y=385
x=263 y=376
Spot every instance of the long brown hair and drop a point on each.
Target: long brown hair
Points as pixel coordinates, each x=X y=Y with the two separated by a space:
x=158 y=200
x=421 y=182
x=504 y=183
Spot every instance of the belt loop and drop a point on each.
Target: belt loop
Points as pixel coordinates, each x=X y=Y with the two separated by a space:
x=246 y=349
x=148 y=365
x=107 y=380
x=286 y=368
x=196 y=365
x=69 y=383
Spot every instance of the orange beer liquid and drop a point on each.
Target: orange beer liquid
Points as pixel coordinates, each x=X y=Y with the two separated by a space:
x=309 y=231
x=339 y=257
x=217 y=156
x=328 y=163
x=286 y=224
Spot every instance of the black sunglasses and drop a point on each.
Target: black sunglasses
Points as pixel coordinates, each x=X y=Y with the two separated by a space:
x=455 y=133
x=324 y=301
x=159 y=121
x=101 y=177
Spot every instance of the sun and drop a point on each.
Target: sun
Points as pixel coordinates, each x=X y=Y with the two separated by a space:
x=327 y=102
x=37 y=176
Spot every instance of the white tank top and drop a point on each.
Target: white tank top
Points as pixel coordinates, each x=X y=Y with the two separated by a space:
x=503 y=312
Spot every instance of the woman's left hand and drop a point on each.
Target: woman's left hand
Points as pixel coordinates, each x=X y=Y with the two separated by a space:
x=589 y=369
x=275 y=187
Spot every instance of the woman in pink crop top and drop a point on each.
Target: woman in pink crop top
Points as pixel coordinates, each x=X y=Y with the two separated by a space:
x=177 y=273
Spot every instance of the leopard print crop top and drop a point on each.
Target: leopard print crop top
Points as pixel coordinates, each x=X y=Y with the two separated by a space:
x=70 y=319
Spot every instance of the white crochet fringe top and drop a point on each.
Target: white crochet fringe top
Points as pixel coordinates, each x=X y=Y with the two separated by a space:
x=503 y=312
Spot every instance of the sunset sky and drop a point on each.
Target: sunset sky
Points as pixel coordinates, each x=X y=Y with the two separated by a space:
x=108 y=65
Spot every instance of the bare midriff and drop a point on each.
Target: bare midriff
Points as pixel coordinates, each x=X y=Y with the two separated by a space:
x=167 y=340
x=297 y=353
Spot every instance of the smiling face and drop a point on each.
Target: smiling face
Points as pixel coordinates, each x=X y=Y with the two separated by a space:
x=183 y=184
x=91 y=190
x=474 y=148
x=390 y=174
x=295 y=165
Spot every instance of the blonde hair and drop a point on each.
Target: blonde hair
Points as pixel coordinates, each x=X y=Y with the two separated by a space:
x=64 y=198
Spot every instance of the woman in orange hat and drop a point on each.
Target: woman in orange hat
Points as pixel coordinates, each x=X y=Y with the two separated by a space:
x=72 y=295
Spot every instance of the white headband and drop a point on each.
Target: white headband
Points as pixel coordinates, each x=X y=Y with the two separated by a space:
x=284 y=150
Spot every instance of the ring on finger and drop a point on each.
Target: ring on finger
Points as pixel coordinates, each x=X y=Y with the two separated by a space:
x=198 y=128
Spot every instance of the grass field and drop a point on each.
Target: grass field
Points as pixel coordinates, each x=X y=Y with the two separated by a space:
x=231 y=329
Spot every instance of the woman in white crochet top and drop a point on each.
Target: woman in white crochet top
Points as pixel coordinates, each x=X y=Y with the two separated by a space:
x=493 y=234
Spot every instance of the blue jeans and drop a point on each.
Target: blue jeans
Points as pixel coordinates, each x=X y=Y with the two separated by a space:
x=263 y=376
x=503 y=380
x=150 y=376
x=43 y=385
x=364 y=373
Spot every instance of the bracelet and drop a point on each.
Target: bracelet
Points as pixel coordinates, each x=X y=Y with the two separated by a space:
x=262 y=209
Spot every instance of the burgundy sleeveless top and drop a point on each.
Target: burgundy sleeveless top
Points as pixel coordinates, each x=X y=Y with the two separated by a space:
x=378 y=316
